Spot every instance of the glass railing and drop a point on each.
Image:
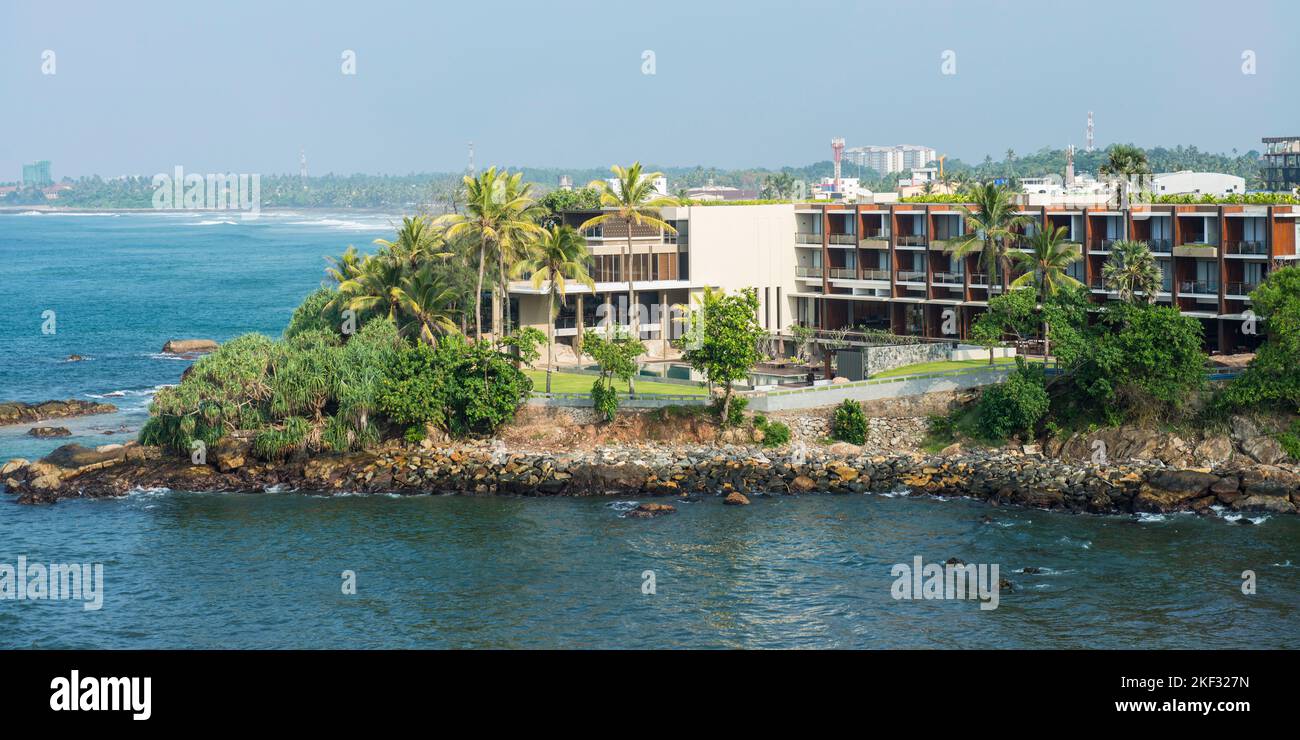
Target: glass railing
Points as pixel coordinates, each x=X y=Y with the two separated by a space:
x=911 y=276
x=948 y=278
x=1199 y=287
x=849 y=239
x=1248 y=247
x=808 y=271
x=802 y=237
x=911 y=240
x=1242 y=288
x=844 y=273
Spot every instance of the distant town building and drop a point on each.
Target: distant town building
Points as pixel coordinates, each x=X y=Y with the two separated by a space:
x=1186 y=182
x=720 y=192
x=37 y=174
x=890 y=159
x=1281 y=168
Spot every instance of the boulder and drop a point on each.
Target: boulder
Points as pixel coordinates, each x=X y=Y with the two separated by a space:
x=1272 y=504
x=74 y=358
x=49 y=432
x=951 y=450
x=189 y=346
x=803 y=484
x=1167 y=490
x=231 y=453
x=844 y=449
x=17 y=412
x=649 y=511
x=14 y=466
x=1213 y=450
x=1269 y=480
x=736 y=499
x=1264 y=449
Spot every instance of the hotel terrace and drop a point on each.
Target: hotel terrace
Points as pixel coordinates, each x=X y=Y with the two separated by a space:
x=888 y=265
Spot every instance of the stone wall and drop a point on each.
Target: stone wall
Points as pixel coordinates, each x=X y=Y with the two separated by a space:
x=880 y=359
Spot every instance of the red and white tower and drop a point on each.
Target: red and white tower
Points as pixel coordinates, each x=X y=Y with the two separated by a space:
x=837 y=146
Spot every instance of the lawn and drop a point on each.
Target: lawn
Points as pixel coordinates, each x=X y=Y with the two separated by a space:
x=943 y=366
x=575 y=383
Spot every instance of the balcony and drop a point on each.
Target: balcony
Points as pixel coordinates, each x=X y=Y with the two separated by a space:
x=847 y=240
x=874 y=239
x=1099 y=284
x=802 y=237
x=875 y=275
x=947 y=278
x=1197 y=249
x=979 y=279
x=1100 y=246
x=911 y=276
x=1248 y=248
x=1198 y=287
x=844 y=273
x=808 y=272
x=1159 y=246
x=950 y=242
x=1241 y=289
x=911 y=240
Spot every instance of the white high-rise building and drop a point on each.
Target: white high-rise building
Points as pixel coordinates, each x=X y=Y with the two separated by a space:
x=887 y=160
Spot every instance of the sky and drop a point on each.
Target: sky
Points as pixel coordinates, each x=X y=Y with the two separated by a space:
x=142 y=87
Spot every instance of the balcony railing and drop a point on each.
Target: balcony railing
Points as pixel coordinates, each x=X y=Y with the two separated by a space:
x=911 y=240
x=803 y=237
x=875 y=233
x=875 y=274
x=1198 y=287
x=1099 y=284
x=1241 y=288
x=806 y=272
x=1100 y=245
x=845 y=239
x=844 y=273
x=1248 y=247
x=911 y=276
x=948 y=278
x=1160 y=246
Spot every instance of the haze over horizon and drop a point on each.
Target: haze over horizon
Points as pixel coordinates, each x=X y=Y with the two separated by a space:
x=760 y=84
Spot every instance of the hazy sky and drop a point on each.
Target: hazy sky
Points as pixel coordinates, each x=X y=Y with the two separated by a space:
x=239 y=86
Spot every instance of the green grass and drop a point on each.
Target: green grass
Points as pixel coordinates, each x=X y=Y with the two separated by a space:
x=943 y=366
x=575 y=383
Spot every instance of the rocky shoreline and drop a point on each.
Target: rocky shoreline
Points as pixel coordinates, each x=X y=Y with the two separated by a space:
x=1008 y=476
x=17 y=412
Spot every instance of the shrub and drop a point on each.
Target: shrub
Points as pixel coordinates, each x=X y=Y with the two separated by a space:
x=616 y=352
x=735 y=410
x=605 y=400
x=315 y=314
x=461 y=387
x=849 y=422
x=775 y=434
x=277 y=444
x=1014 y=405
x=1290 y=441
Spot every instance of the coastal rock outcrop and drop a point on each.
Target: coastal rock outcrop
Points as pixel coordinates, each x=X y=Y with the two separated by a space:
x=17 y=412
x=49 y=432
x=189 y=346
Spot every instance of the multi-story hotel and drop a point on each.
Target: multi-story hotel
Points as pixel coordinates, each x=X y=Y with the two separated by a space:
x=888 y=265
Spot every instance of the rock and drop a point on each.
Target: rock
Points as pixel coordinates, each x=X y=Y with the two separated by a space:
x=1227 y=484
x=1169 y=489
x=1264 y=449
x=844 y=449
x=1242 y=428
x=74 y=358
x=803 y=484
x=231 y=453
x=952 y=450
x=189 y=346
x=49 y=432
x=736 y=499
x=14 y=466
x=1258 y=502
x=1032 y=449
x=1031 y=570
x=16 y=412
x=1213 y=450
x=1269 y=480
x=649 y=511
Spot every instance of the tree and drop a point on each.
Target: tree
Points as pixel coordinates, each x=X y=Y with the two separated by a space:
x=1131 y=270
x=556 y=202
x=417 y=240
x=561 y=255
x=615 y=351
x=1125 y=161
x=723 y=343
x=631 y=200
x=991 y=220
x=1045 y=268
x=497 y=210
x=1273 y=376
x=425 y=305
x=1010 y=313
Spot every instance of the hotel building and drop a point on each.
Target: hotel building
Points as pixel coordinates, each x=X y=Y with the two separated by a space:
x=888 y=265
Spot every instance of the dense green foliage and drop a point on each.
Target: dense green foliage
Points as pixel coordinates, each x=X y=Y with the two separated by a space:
x=462 y=387
x=1015 y=405
x=1273 y=377
x=849 y=422
x=775 y=433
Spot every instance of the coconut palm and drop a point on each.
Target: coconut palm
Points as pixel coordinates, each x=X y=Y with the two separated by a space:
x=517 y=237
x=1045 y=267
x=417 y=240
x=559 y=256
x=991 y=222
x=1126 y=161
x=369 y=292
x=631 y=199
x=345 y=266
x=495 y=211
x=425 y=303
x=1131 y=270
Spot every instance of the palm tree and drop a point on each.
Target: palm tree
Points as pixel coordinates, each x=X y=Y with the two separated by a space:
x=425 y=301
x=1045 y=268
x=517 y=238
x=495 y=211
x=991 y=222
x=345 y=266
x=417 y=240
x=1126 y=161
x=1131 y=269
x=559 y=256
x=632 y=199
x=369 y=291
